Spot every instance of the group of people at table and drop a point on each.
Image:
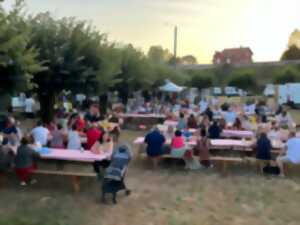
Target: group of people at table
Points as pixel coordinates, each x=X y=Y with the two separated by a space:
x=203 y=125
x=72 y=132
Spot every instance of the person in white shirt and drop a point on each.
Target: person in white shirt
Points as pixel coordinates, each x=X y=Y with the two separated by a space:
x=285 y=120
x=292 y=154
x=74 y=141
x=203 y=105
x=29 y=104
x=274 y=133
x=40 y=134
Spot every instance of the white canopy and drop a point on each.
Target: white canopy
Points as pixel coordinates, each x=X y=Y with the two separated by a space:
x=171 y=87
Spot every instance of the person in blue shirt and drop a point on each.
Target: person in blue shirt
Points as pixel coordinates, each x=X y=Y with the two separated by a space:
x=182 y=124
x=155 y=141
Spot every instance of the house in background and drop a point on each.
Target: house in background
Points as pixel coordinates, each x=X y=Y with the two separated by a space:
x=235 y=56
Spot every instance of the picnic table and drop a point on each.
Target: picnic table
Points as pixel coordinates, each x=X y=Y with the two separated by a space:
x=135 y=120
x=238 y=134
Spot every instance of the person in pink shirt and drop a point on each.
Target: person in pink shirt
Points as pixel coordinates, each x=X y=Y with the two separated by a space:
x=179 y=149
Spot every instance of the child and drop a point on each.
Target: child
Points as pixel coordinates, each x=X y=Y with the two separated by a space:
x=24 y=162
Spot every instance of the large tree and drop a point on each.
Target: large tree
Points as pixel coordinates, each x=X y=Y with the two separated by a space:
x=188 y=60
x=18 y=60
x=78 y=58
x=292 y=53
x=158 y=54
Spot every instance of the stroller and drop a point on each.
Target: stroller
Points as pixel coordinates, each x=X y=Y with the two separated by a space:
x=114 y=175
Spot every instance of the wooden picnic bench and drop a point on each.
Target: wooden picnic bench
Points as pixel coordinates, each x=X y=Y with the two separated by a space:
x=74 y=175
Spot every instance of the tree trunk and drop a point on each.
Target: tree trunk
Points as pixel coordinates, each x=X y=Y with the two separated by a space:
x=47 y=102
x=103 y=102
x=5 y=101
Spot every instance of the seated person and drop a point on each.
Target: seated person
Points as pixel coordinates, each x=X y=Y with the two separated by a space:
x=6 y=157
x=74 y=141
x=214 y=131
x=292 y=154
x=205 y=123
x=10 y=132
x=92 y=135
x=155 y=141
x=178 y=145
x=40 y=134
x=237 y=124
x=24 y=162
x=263 y=147
x=284 y=120
x=103 y=146
x=274 y=133
x=217 y=112
x=202 y=149
x=178 y=150
x=58 y=137
x=181 y=122
x=209 y=113
x=230 y=117
x=192 y=122
x=246 y=124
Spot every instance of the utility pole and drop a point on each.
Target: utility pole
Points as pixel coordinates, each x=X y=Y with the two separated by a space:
x=175 y=46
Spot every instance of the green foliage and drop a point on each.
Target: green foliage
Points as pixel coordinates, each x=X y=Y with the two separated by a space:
x=18 y=61
x=287 y=75
x=243 y=79
x=188 y=60
x=292 y=53
x=157 y=54
x=201 y=79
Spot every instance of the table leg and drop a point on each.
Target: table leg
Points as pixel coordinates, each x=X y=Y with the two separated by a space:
x=76 y=184
x=60 y=165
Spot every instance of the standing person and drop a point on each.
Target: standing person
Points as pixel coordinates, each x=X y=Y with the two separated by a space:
x=93 y=134
x=214 y=130
x=40 y=134
x=117 y=129
x=155 y=141
x=24 y=162
x=58 y=137
x=29 y=104
x=74 y=141
x=202 y=148
x=292 y=153
x=192 y=122
x=263 y=147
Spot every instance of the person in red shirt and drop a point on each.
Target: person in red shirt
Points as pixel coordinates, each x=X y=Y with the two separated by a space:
x=80 y=123
x=93 y=134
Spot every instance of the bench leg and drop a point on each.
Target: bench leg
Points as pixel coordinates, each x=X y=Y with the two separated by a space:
x=76 y=183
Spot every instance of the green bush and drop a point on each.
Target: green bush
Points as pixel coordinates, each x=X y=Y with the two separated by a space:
x=287 y=76
x=245 y=81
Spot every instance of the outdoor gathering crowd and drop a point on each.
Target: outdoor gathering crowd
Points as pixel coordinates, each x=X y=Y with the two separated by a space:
x=70 y=131
x=99 y=134
x=202 y=124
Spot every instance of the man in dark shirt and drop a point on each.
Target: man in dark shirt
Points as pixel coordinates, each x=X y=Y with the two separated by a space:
x=154 y=141
x=214 y=131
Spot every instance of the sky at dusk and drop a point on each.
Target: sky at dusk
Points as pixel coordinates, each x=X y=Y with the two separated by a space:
x=204 y=26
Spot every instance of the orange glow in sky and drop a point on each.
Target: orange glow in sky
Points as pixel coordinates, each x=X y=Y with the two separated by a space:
x=204 y=26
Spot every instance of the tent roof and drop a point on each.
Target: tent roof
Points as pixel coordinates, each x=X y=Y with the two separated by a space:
x=171 y=87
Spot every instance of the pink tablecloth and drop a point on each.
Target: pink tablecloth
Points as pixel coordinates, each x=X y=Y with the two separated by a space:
x=73 y=155
x=137 y=115
x=230 y=144
x=237 y=134
x=141 y=140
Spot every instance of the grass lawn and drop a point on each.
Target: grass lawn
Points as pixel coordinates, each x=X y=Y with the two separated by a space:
x=168 y=195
